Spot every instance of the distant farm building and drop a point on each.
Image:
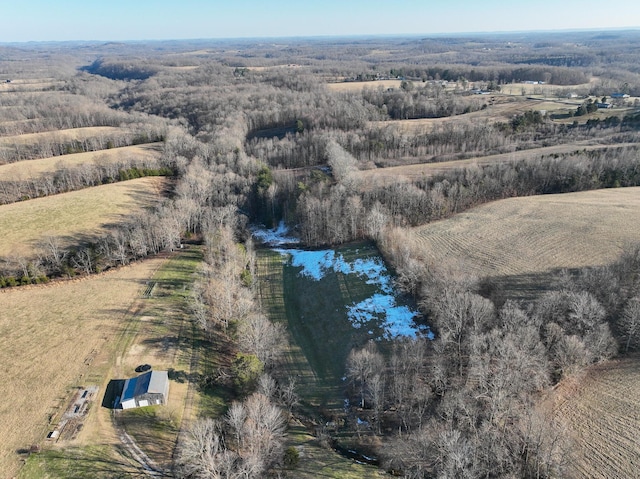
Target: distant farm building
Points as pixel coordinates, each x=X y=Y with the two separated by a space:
x=145 y=390
x=619 y=95
x=604 y=105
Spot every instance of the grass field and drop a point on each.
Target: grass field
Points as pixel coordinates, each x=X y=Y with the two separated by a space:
x=73 y=215
x=29 y=169
x=318 y=461
x=60 y=136
x=601 y=412
x=316 y=313
x=54 y=337
x=520 y=237
x=156 y=329
x=417 y=171
x=320 y=337
x=359 y=85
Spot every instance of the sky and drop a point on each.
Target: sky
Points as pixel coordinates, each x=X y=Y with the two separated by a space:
x=121 y=20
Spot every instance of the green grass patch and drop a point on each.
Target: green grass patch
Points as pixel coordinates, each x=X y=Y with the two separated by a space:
x=155 y=430
x=96 y=462
x=319 y=461
x=315 y=312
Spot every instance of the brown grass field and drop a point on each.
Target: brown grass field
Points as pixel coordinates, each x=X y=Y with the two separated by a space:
x=53 y=337
x=59 y=136
x=359 y=85
x=30 y=169
x=500 y=108
x=412 y=172
x=601 y=414
x=29 y=84
x=71 y=215
x=537 y=234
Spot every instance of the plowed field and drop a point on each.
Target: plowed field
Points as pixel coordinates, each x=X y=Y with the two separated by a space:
x=537 y=234
x=601 y=413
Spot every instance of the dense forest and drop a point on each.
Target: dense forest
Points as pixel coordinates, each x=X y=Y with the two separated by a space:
x=258 y=133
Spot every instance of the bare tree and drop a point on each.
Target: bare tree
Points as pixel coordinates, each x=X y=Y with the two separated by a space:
x=362 y=365
x=629 y=323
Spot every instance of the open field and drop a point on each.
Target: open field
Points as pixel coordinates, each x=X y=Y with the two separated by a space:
x=27 y=84
x=31 y=169
x=519 y=237
x=412 y=172
x=75 y=214
x=359 y=85
x=60 y=136
x=317 y=368
x=545 y=89
x=319 y=461
x=601 y=413
x=319 y=312
x=502 y=108
x=156 y=330
x=54 y=336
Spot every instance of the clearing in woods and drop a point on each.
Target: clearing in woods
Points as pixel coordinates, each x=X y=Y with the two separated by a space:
x=600 y=411
x=319 y=340
x=75 y=215
x=536 y=235
x=351 y=86
x=32 y=169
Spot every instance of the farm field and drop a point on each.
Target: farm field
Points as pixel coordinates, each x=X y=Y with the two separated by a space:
x=31 y=169
x=392 y=174
x=28 y=84
x=156 y=330
x=72 y=215
x=502 y=108
x=54 y=336
x=520 y=237
x=359 y=85
x=60 y=136
x=601 y=413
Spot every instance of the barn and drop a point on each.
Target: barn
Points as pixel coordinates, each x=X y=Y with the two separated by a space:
x=145 y=390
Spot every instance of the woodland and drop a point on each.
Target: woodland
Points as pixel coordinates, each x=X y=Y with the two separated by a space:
x=256 y=132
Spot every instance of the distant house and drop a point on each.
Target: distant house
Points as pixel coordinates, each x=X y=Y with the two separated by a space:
x=572 y=95
x=619 y=95
x=603 y=105
x=145 y=390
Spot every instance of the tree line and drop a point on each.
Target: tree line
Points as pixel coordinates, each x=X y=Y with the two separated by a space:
x=465 y=404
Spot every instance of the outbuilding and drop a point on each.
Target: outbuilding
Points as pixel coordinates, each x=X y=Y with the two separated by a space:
x=147 y=389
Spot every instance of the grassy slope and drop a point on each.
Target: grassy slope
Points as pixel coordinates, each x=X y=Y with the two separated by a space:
x=520 y=238
x=69 y=134
x=72 y=215
x=601 y=413
x=320 y=339
x=29 y=169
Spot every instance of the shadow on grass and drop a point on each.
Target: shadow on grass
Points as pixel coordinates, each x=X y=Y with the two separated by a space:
x=97 y=463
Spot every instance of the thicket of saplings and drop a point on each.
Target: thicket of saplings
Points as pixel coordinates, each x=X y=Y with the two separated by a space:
x=460 y=405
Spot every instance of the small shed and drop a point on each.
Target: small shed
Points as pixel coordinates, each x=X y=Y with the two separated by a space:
x=147 y=389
